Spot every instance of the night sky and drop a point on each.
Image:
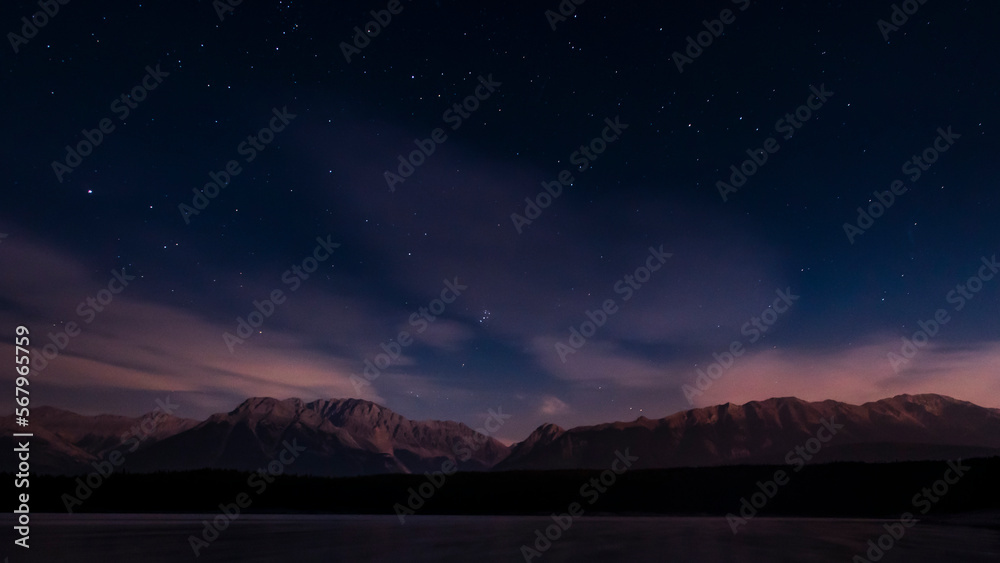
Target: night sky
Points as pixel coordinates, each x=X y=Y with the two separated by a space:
x=470 y=292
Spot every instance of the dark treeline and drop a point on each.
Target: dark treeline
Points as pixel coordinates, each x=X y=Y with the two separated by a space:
x=837 y=489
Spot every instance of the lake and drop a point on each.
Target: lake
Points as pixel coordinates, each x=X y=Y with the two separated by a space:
x=308 y=538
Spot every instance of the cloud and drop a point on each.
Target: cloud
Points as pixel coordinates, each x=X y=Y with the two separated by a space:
x=598 y=362
x=135 y=344
x=443 y=334
x=855 y=375
x=553 y=406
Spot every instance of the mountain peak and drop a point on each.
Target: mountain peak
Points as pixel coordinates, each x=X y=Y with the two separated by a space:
x=256 y=404
x=542 y=436
x=924 y=398
x=550 y=428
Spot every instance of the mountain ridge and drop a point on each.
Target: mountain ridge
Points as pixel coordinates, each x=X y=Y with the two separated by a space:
x=346 y=437
x=911 y=427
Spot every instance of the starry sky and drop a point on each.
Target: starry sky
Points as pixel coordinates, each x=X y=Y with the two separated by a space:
x=651 y=259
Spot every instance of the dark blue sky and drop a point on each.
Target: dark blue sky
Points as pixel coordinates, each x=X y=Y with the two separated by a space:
x=344 y=124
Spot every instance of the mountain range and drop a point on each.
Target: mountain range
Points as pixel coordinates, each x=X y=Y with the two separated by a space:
x=349 y=437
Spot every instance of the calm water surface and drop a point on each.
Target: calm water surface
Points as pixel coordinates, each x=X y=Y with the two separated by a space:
x=479 y=539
